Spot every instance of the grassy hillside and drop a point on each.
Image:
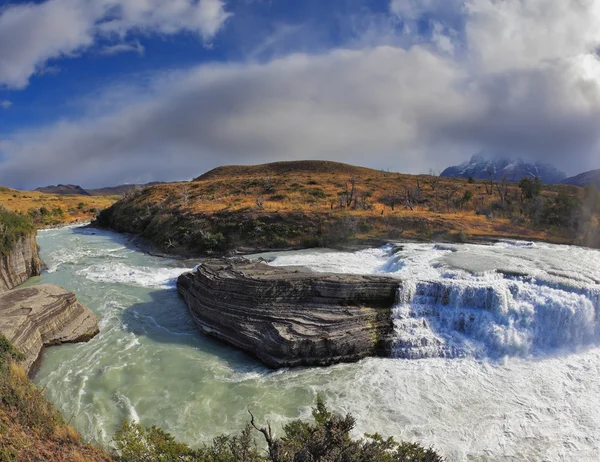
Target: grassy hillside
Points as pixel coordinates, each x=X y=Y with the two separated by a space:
x=313 y=203
x=30 y=427
x=52 y=209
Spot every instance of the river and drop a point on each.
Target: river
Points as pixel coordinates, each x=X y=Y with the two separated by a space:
x=497 y=352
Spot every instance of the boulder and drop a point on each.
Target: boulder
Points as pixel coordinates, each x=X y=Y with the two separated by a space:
x=36 y=317
x=291 y=316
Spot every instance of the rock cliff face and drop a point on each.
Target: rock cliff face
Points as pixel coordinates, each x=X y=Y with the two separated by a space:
x=44 y=315
x=20 y=263
x=291 y=316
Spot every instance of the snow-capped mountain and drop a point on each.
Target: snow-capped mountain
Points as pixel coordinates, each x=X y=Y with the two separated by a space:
x=482 y=167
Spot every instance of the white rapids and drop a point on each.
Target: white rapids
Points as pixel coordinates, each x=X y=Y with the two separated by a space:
x=497 y=351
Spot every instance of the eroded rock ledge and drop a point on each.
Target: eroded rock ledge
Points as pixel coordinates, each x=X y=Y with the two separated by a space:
x=291 y=316
x=21 y=263
x=44 y=315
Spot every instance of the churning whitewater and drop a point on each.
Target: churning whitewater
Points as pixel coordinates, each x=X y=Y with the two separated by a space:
x=497 y=351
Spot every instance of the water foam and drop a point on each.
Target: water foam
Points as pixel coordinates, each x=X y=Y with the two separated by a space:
x=510 y=299
x=139 y=276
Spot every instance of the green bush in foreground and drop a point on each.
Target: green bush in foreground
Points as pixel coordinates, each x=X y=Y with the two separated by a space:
x=12 y=227
x=327 y=439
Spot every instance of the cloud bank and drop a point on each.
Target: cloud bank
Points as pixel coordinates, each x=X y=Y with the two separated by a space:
x=519 y=77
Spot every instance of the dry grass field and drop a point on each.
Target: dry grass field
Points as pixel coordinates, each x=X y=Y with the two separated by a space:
x=52 y=209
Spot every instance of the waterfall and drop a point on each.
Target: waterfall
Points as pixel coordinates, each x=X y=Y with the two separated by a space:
x=501 y=316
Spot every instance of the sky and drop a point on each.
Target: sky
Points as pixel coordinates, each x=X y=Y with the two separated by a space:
x=105 y=92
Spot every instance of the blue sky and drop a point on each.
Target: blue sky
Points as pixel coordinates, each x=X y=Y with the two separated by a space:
x=100 y=92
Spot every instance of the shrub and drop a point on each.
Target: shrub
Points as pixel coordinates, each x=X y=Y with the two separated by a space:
x=12 y=227
x=326 y=439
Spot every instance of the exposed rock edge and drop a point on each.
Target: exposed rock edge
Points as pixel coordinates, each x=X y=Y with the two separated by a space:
x=36 y=317
x=291 y=316
x=21 y=263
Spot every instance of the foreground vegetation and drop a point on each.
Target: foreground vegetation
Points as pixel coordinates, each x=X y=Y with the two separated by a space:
x=326 y=439
x=46 y=210
x=312 y=203
x=31 y=429
x=13 y=226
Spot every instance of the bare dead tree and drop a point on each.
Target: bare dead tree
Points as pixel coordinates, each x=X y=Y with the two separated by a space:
x=350 y=192
x=268 y=434
x=448 y=194
x=268 y=184
x=502 y=189
x=259 y=203
x=185 y=194
x=490 y=190
x=391 y=199
x=434 y=180
x=364 y=199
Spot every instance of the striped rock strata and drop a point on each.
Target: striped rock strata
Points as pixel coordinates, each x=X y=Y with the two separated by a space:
x=291 y=316
x=35 y=317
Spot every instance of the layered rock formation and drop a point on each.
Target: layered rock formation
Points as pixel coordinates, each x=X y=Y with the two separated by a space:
x=291 y=316
x=20 y=263
x=35 y=317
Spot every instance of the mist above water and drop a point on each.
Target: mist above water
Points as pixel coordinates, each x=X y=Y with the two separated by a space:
x=503 y=340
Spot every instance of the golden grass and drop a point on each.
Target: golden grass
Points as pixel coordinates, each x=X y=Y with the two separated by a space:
x=264 y=190
x=58 y=209
x=66 y=434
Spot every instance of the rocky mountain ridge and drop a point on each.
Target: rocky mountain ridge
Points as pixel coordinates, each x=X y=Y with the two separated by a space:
x=71 y=189
x=481 y=167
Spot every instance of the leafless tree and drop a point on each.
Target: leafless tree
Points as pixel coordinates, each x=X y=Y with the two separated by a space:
x=391 y=199
x=490 y=190
x=502 y=189
x=268 y=434
x=350 y=194
x=268 y=184
x=434 y=180
x=448 y=194
x=185 y=194
x=259 y=203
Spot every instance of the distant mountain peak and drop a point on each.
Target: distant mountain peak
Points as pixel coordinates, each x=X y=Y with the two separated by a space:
x=65 y=189
x=483 y=166
x=587 y=178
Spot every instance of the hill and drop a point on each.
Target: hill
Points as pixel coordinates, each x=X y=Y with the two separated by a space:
x=53 y=209
x=482 y=168
x=587 y=178
x=70 y=189
x=297 y=167
x=66 y=189
x=119 y=190
x=314 y=203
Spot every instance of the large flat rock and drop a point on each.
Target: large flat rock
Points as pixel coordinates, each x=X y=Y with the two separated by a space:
x=291 y=316
x=35 y=317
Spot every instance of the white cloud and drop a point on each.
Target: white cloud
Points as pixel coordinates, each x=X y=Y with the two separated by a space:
x=32 y=34
x=5 y=104
x=506 y=35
